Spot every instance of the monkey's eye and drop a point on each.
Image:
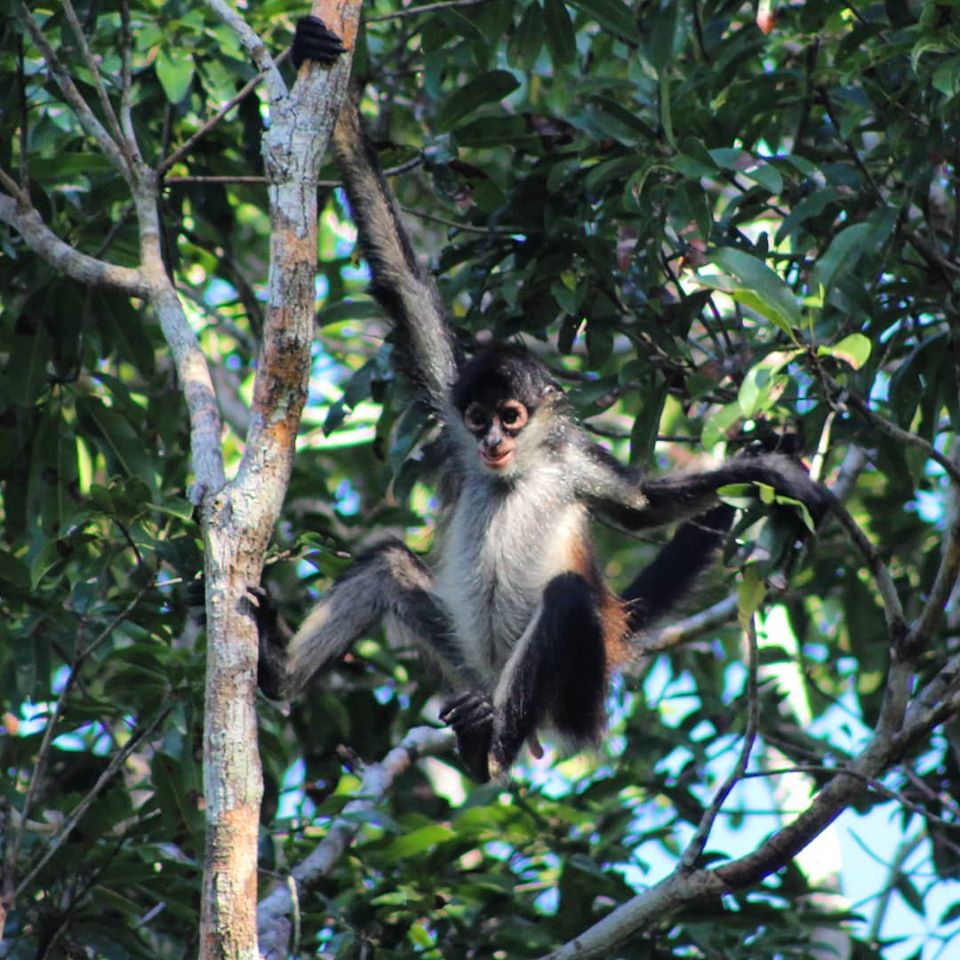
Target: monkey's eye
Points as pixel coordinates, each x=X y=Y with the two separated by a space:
x=476 y=417
x=513 y=414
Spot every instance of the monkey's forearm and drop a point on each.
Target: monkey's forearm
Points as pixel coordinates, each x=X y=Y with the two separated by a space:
x=633 y=501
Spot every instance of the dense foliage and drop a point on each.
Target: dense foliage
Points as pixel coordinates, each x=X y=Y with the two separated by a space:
x=714 y=235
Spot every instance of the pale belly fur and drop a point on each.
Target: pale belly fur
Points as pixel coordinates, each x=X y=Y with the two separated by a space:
x=496 y=561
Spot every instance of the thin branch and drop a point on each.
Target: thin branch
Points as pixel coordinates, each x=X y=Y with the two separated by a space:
x=407 y=165
x=241 y=95
x=273 y=927
x=464 y=227
x=687 y=629
x=893 y=609
x=42 y=240
x=14 y=189
x=84 y=805
x=24 y=168
x=903 y=851
x=889 y=429
x=874 y=784
x=126 y=93
x=897 y=732
x=426 y=8
x=91 y=63
x=255 y=47
x=71 y=94
x=251 y=180
x=696 y=846
x=53 y=719
x=943 y=585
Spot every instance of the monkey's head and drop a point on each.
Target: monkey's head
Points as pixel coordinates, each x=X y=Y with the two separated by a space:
x=497 y=394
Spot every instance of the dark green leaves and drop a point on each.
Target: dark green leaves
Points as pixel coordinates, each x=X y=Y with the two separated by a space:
x=489 y=88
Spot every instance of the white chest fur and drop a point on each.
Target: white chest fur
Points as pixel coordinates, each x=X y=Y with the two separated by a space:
x=500 y=548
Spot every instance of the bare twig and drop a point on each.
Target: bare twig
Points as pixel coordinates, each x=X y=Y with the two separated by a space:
x=903 y=851
x=426 y=8
x=84 y=805
x=254 y=46
x=191 y=141
x=48 y=733
x=24 y=168
x=943 y=585
x=464 y=227
x=88 y=120
x=126 y=90
x=687 y=629
x=90 y=61
x=889 y=429
x=892 y=607
x=696 y=846
x=407 y=165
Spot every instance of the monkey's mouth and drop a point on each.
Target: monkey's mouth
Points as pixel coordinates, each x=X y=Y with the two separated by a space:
x=496 y=459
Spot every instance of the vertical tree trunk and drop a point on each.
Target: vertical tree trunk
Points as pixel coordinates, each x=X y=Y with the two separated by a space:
x=240 y=518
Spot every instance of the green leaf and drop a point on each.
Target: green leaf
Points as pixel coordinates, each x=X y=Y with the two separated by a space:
x=526 y=41
x=122 y=446
x=612 y=14
x=418 y=841
x=854 y=350
x=946 y=78
x=845 y=249
x=561 y=41
x=487 y=88
x=12 y=571
x=719 y=424
x=176 y=507
x=175 y=73
x=767 y=176
x=26 y=368
x=911 y=895
x=756 y=286
x=51 y=555
x=750 y=594
x=761 y=386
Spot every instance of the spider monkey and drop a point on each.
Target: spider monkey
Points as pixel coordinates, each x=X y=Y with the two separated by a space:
x=515 y=611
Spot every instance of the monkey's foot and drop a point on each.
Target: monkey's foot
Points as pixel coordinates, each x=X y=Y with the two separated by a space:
x=471 y=717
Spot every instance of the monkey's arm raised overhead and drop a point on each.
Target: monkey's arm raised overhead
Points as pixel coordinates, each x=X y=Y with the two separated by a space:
x=428 y=351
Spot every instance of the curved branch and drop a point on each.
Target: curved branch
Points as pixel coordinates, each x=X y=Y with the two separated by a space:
x=254 y=46
x=696 y=846
x=689 y=628
x=889 y=429
x=42 y=240
x=680 y=889
x=273 y=924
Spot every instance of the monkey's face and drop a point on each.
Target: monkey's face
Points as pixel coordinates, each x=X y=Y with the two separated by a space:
x=496 y=426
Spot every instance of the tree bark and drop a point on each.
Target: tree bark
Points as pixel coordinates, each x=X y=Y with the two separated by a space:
x=239 y=519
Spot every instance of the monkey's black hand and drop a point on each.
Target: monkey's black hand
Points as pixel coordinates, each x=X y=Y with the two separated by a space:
x=471 y=716
x=195 y=592
x=313 y=41
x=270 y=671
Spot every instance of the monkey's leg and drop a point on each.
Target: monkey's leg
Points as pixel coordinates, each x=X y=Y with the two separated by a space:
x=659 y=587
x=388 y=583
x=557 y=672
